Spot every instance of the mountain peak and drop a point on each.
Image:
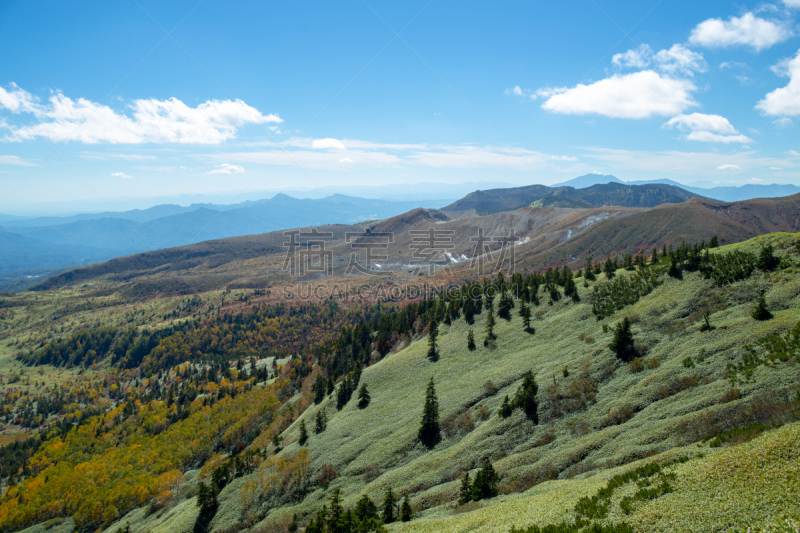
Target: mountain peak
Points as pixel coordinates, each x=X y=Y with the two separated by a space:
x=587 y=180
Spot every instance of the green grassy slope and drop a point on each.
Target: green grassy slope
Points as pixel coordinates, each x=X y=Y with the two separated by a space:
x=633 y=416
x=602 y=419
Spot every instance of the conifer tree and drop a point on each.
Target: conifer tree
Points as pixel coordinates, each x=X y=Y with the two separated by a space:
x=485 y=484
x=471 y=341
x=321 y=422
x=505 y=409
x=319 y=389
x=526 y=397
x=526 y=320
x=433 y=332
x=469 y=310
x=465 y=493
x=761 y=311
x=609 y=268
x=505 y=305
x=363 y=396
x=389 y=503
x=522 y=308
x=590 y=269
x=490 y=323
x=429 y=433
x=303 y=433
x=293 y=526
x=406 y=514
x=622 y=344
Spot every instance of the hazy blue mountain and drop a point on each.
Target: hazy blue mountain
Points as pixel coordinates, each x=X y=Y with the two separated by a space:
x=82 y=239
x=20 y=252
x=724 y=194
x=582 y=182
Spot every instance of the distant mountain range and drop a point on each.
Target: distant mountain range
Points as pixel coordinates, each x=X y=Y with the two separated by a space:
x=724 y=194
x=46 y=243
x=623 y=195
x=43 y=246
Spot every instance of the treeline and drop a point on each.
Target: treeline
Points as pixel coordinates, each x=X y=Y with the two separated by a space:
x=265 y=330
x=724 y=268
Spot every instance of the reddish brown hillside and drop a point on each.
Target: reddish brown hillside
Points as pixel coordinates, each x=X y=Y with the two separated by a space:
x=694 y=220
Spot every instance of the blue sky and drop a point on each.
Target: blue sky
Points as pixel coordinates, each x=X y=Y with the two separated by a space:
x=142 y=98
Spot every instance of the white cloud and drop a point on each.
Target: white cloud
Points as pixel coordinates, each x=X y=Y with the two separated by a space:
x=747 y=30
x=732 y=64
x=515 y=91
x=755 y=180
x=680 y=60
x=124 y=157
x=707 y=128
x=783 y=122
x=685 y=162
x=792 y=3
x=785 y=100
x=14 y=160
x=639 y=58
x=673 y=61
x=377 y=155
x=329 y=144
x=226 y=168
x=151 y=121
x=121 y=175
x=776 y=168
x=729 y=166
x=636 y=95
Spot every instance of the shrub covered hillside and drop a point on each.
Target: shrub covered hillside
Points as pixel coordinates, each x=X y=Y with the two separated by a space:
x=643 y=394
x=699 y=365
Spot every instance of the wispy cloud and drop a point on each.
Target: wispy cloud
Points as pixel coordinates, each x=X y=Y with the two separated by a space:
x=14 y=160
x=334 y=154
x=226 y=168
x=151 y=121
x=121 y=175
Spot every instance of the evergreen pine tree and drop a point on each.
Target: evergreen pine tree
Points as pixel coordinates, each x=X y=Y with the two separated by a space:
x=674 y=270
x=321 y=421
x=406 y=514
x=761 y=311
x=469 y=310
x=389 y=502
x=485 y=484
x=303 y=433
x=622 y=344
x=505 y=409
x=609 y=268
x=293 y=526
x=337 y=511
x=429 y=433
x=505 y=305
x=363 y=396
x=590 y=269
x=433 y=332
x=526 y=397
x=526 y=320
x=471 y=341
x=319 y=389
x=331 y=386
x=490 y=323
x=465 y=493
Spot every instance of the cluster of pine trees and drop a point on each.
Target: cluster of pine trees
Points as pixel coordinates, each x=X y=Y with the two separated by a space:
x=365 y=517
